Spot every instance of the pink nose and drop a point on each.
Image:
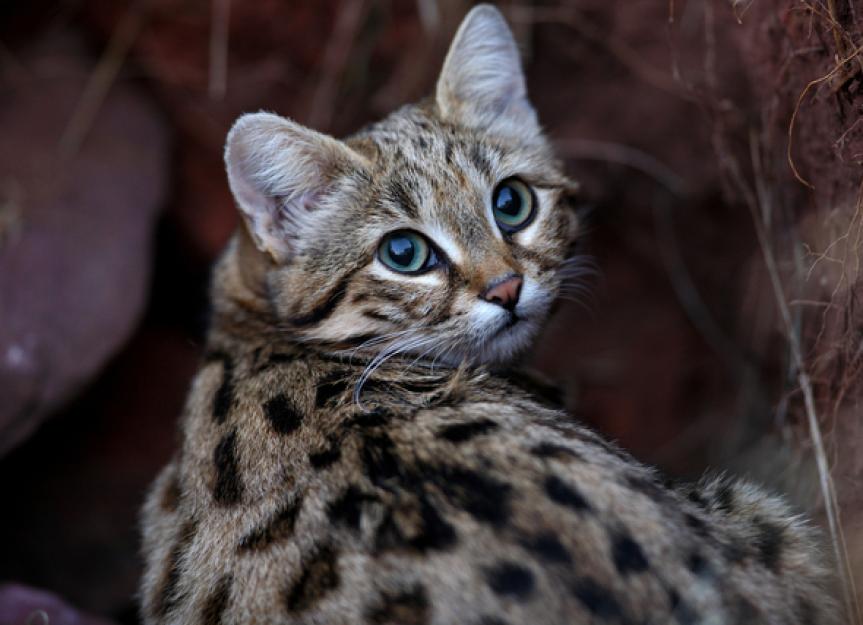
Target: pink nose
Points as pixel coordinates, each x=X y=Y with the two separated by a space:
x=504 y=292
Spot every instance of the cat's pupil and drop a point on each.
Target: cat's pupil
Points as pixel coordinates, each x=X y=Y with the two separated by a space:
x=402 y=251
x=508 y=201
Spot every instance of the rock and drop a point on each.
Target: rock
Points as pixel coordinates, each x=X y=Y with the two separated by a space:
x=23 y=605
x=75 y=231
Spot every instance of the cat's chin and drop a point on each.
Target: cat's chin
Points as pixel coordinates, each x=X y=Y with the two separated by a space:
x=502 y=346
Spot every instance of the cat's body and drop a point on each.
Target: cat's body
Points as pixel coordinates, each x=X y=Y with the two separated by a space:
x=351 y=452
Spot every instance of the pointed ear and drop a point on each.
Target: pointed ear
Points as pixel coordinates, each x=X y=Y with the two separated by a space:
x=482 y=84
x=282 y=176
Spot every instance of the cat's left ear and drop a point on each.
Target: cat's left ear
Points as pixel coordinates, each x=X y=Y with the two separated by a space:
x=482 y=84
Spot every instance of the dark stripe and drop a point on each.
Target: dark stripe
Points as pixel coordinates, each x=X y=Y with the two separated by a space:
x=324 y=458
x=399 y=195
x=224 y=397
x=319 y=577
x=167 y=596
x=409 y=607
x=378 y=316
x=480 y=160
x=228 y=488
x=278 y=528
x=326 y=306
x=217 y=602
x=329 y=387
x=460 y=432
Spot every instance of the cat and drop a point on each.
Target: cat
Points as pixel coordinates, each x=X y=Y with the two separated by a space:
x=356 y=450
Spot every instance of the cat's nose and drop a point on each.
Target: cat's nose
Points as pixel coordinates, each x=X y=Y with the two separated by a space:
x=504 y=291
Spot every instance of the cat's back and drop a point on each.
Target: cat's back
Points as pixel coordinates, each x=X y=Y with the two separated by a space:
x=453 y=498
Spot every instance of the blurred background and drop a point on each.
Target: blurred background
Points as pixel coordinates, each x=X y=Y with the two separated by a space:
x=720 y=146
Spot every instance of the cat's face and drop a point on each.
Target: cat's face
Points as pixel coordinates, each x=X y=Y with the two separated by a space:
x=441 y=231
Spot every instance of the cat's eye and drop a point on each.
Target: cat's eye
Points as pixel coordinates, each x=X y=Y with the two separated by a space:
x=407 y=252
x=512 y=203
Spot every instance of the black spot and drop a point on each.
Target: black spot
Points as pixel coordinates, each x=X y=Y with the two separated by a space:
x=330 y=387
x=596 y=599
x=319 y=577
x=483 y=497
x=510 y=580
x=279 y=527
x=553 y=450
x=681 y=610
x=228 y=489
x=348 y=507
x=282 y=414
x=460 y=432
x=565 y=495
x=379 y=459
x=326 y=457
x=769 y=543
x=167 y=596
x=698 y=564
x=628 y=555
x=547 y=547
x=409 y=607
x=217 y=602
x=224 y=397
x=432 y=533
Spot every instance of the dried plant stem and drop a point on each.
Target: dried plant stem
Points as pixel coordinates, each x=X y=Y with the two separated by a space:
x=828 y=491
x=220 y=17
x=336 y=56
x=812 y=83
x=101 y=79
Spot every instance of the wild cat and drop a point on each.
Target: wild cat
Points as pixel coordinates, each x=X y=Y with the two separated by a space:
x=354 y=448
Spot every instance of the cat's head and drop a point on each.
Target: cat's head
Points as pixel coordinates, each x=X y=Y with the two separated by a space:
x=440 y=231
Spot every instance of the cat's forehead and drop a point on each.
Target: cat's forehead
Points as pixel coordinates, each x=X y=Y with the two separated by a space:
x=428 y=170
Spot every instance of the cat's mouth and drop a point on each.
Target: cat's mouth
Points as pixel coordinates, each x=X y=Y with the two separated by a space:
x=507 y=325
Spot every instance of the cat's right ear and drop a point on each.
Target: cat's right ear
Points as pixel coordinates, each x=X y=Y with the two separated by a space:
x=282 y=175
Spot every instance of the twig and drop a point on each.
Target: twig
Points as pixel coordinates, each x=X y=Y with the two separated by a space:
x=629 y=156
x=100 y=81
x=800 y=98
x=336 y=56
x=220 y=17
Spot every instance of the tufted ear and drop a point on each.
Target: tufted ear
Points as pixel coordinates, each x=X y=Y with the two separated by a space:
x=283 y=176
x=482 y=83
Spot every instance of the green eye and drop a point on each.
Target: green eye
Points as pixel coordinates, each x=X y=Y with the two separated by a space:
x=407 y=252
x=512 y=202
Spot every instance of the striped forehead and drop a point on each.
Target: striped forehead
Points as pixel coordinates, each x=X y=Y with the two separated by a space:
x=442 y=183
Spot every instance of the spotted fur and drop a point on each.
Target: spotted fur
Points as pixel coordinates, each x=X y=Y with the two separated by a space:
x=354 y=449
